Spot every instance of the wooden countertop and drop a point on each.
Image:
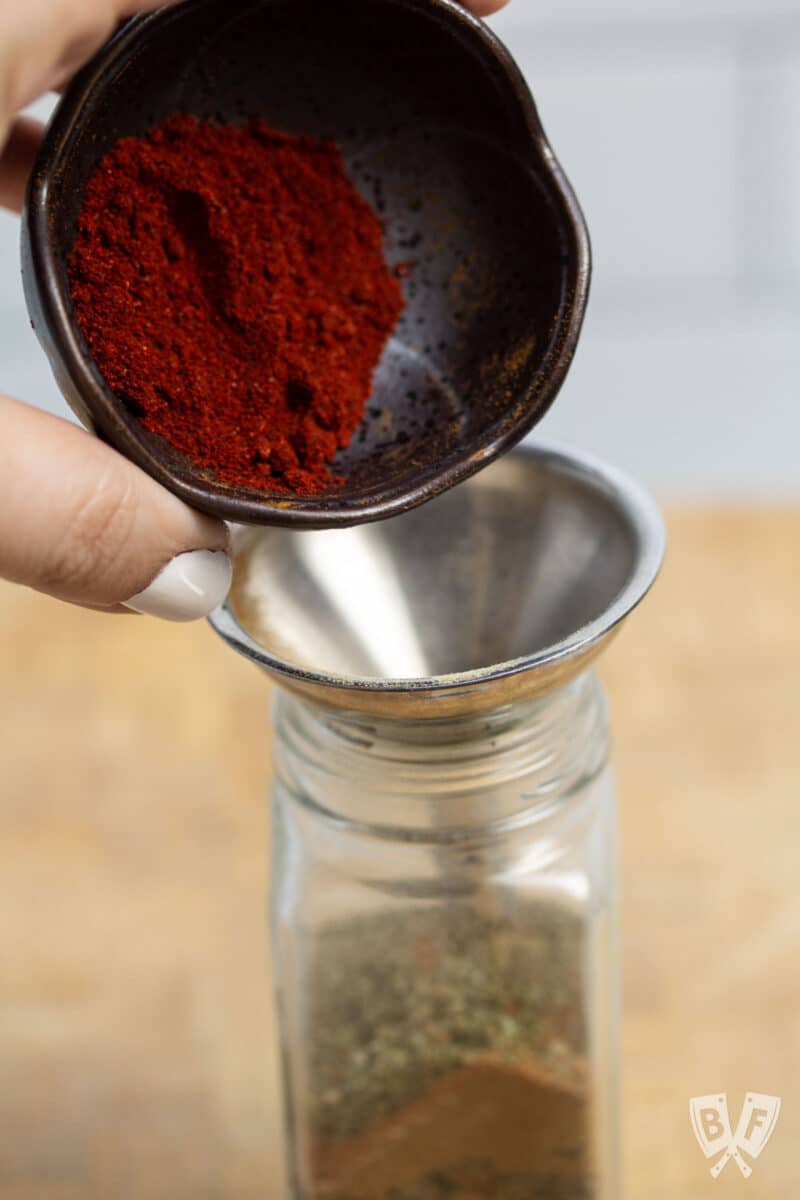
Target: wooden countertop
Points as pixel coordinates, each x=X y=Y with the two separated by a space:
x=136 y=1050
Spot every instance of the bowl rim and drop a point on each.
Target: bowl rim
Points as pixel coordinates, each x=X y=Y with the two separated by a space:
x=95 y=404
x=630 y=499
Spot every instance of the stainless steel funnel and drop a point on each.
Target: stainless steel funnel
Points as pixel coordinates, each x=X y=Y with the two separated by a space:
x=499 y=590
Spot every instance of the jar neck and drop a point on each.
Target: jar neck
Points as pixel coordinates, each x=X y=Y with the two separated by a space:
x=425 y=778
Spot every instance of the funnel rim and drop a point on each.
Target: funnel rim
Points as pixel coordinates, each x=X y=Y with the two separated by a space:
x=633 y=501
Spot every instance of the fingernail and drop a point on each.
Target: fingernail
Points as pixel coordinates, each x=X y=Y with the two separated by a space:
x=189 y=587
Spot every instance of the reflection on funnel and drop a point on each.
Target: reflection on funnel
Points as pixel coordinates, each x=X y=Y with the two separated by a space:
x=368 y=598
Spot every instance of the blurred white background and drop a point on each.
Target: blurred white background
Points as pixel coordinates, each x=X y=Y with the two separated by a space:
x=678 y=122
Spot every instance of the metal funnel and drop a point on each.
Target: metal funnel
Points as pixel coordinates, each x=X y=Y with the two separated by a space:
x=497 y=591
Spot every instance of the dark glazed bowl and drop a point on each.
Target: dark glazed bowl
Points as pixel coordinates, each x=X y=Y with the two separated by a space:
x=440 y=133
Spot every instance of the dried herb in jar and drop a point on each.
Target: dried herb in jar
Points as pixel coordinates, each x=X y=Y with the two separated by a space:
x=450 y=1059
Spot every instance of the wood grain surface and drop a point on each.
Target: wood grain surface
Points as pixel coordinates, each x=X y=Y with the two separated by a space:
x=136 y=1031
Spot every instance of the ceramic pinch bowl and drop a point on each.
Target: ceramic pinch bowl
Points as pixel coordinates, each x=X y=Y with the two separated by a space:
x=440 y=133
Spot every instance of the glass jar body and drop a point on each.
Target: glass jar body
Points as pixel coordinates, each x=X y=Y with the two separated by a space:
x=445 y=952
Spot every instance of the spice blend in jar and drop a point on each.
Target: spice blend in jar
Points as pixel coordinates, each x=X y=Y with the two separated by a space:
x=449 y=1058
x=231 y=285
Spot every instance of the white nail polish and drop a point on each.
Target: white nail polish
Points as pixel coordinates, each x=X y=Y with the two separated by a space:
x=189 y=587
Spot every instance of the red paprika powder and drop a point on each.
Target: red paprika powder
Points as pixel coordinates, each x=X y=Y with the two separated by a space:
x=232 y=287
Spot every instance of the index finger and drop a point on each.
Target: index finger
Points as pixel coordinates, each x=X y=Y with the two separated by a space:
x=484 y=8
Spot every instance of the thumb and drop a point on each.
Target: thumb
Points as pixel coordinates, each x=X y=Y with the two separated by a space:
x=80 y=522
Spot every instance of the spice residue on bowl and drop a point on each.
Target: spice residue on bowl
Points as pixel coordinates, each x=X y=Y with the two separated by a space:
x=232 y=287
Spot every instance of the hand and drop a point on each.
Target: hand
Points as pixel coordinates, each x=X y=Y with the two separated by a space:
x=77 y=520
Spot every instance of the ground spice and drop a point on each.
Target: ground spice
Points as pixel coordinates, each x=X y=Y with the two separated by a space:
x=232 y=287
x=448 y=1058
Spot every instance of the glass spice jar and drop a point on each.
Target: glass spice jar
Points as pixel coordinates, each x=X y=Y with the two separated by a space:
x=444 y=947
x=444 y=863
